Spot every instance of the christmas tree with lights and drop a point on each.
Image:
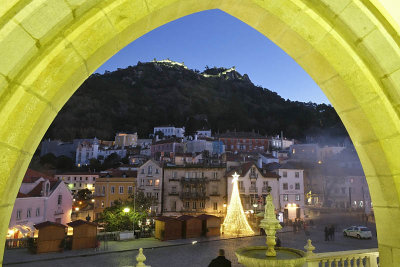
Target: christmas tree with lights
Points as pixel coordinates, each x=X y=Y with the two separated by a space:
x=235 y=222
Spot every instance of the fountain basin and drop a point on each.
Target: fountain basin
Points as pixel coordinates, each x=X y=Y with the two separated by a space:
x=256 y=257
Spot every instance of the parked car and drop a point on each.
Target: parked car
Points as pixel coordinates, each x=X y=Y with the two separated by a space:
x=358 y=231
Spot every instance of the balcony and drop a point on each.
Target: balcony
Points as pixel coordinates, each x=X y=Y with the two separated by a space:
x=173 y=194
x=265 y=189
x=188 y=195
x=156 y=188
x=215 y=179
x=215 y=194
x=174 y=179
x=253 y=190
x=194 y=180
x=252 y=176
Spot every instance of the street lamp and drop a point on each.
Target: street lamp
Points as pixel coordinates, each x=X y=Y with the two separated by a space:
x=126 y=210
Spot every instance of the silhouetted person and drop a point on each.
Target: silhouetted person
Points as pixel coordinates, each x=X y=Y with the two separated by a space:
x=278 y=242
x=220 y=261
x=326 y=230
x=332 y=233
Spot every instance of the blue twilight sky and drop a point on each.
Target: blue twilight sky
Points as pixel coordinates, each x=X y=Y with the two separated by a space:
x=215 y=38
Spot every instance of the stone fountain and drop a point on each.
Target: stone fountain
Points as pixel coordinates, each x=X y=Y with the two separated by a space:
x=269 y=255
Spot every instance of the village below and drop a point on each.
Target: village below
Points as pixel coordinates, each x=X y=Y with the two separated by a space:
x=183 y=185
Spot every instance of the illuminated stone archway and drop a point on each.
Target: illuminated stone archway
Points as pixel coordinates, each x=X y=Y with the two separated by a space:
x=349 y=47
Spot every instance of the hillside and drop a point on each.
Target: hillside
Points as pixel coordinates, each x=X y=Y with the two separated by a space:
x=140 y=97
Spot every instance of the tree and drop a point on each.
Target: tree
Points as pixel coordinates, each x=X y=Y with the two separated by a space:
x=112 y=161
x=84 y=194
x=160 y=134
x=48 y=161
x=116 y=219
x=64 y=163
x=95 y=164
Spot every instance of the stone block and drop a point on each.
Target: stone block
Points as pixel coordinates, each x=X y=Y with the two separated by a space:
x=384 y=190
x=391 y=146
x=337 y=6
x=382 y=118
x=60 y=71
x=317 y=66
x=94 y=39
x=293 y=44
x=387 y=226
x=339 y=94
x=391 y=83
x=21 y=115
x=383 y=53
x=377 y=158
x=44 y=19
x=6 y=6
x=357 y=18
x=17 y=47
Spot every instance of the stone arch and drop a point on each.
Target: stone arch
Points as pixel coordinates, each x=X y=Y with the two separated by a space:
x=349 y=47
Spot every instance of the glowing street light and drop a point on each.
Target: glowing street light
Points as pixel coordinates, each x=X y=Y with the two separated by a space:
x=126 y=210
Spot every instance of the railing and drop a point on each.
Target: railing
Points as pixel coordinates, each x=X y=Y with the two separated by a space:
x=253 y=189
x=173 y=193
x=58 y=212
x=265 y=189
x=187 y=195
x=99 y=194
x=194 y=180
x=17 y=243
x=174 y=179
x=350 y=258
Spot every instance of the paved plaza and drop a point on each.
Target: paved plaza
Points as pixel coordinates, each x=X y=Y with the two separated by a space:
x=180 y=253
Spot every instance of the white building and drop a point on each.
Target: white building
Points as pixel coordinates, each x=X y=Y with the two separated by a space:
x=280 y=143
x=291 y=195
x=90 y=149
x=198 y=146
x=39 y=199
x=170 y=131
x=78 y=181
x=149 y=181
x=253 y=186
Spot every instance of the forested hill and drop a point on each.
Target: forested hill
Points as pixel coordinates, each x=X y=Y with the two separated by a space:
x=137 y=98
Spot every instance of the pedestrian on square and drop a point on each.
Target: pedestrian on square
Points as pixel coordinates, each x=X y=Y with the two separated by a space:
x=332 y=232
x=220 y=261
x=326 y=230
x=294 y=227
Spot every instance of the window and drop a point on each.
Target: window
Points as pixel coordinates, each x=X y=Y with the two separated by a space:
x=297 y=174
x=215 y=206
x=19 y=214
x=297 y=186
x=285 y=186
x=150 y=182
x=297 y=197
x=173 y=189
x=86 y=178
x=104 y=190
x=142 y=171
x=241 y=186
x=187 y=204
x=148 y=194
x=173 y=206
x=80 y=184
x=102 y=204
x=150 y=170
x=157 y=182
x=201 y=204
x=174 y=174
x=130 y=189
x=80 y=178
x=265 y=184
x=285 y=197
x=28 y=213
x=284 y=174
x=253 y=184
x=59 y=200
x=215 y=175
x=141 y=182
x=112 y=189
x=156 y=195
x=74 y=178
x=37 y=212
x=74 y=184
x=121 y=189
x=194 y=204
x=157 y=172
